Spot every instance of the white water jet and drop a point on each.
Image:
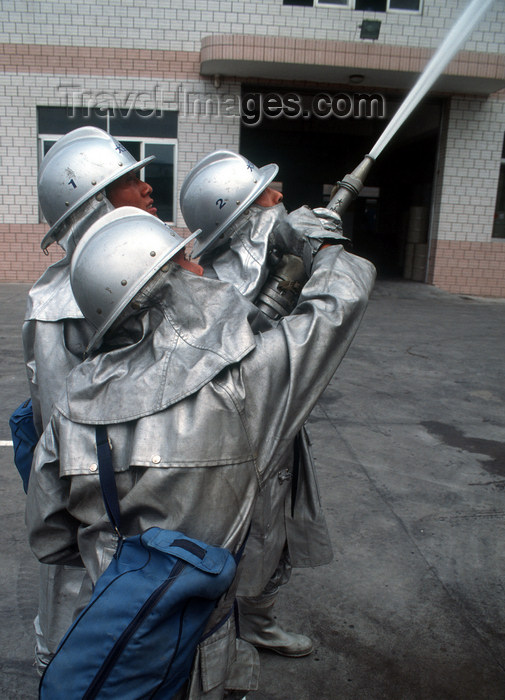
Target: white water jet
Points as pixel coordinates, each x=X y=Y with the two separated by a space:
x=456 y=37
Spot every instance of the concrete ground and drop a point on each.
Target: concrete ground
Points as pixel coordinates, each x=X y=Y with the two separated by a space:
x=410 y=444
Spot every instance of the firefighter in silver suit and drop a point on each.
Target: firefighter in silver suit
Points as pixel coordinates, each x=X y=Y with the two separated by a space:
x=173 y=363
x=249 y=240
x=82 y=177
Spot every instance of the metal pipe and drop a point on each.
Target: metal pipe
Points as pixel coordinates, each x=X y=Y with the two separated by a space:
x=350 y=187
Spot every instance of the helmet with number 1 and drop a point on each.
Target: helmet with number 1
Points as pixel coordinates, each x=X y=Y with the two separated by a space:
x=216 y=191
x=79 y=165
x=114 y=259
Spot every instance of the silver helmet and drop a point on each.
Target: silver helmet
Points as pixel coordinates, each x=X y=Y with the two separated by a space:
x=79 y=165
x=114 y=259
x=217 y=190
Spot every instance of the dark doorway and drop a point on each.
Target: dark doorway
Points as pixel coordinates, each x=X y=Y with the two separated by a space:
x=314 y=152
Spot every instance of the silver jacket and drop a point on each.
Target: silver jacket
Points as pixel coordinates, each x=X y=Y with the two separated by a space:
x=55 y=334
x=194 y=431
x=243 y=260
x=54 y=338
x=260 y=235
x=258 y=240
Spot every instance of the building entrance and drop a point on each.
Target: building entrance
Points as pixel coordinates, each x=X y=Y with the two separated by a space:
x=389 y=222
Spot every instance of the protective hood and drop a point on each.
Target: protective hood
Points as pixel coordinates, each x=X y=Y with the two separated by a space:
x=192 y=329
x=244 y=262
x=51 y=297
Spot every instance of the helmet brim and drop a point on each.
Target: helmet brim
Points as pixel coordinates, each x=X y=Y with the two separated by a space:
x=267 y=174
x=55 y=234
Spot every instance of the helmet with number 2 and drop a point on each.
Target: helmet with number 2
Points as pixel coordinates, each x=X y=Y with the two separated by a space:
x=216 y=191
x=80 y=165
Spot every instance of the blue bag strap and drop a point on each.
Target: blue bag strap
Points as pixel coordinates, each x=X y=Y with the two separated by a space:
x=107 y=479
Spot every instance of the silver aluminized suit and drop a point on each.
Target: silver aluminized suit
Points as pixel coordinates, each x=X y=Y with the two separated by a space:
x=55 y=333
x=200 y=412
x=55 y=336
x=245 y=264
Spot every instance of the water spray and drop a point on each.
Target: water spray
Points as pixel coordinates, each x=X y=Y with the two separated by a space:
x=350 y=187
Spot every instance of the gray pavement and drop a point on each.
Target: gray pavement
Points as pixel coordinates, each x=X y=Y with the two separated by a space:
x=409 y=439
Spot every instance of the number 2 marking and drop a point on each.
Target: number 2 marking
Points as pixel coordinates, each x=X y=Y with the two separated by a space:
x=220 y=203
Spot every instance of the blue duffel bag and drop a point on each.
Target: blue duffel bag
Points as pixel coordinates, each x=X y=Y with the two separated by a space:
x=138 y=635
x=24 y=439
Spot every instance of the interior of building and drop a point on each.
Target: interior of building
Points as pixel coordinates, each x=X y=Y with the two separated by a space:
x=389 y=221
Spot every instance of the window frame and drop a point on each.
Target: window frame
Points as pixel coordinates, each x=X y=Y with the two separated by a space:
x=500 y=190
x=346 y=5
x=403 y=11
x=156 y=141
x=351 y=5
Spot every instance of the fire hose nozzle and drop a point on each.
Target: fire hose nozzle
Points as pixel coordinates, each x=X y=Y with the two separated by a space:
x=350 y=187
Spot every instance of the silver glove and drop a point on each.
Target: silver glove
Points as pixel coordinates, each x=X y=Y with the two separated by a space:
x=330 y=220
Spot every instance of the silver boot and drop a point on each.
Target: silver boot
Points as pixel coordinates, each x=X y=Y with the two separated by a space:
x=259 y=627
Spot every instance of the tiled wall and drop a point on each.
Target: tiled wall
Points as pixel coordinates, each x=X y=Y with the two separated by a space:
x=179 y=25
x=463 y=255
x=470 y=180
x=470 y=268
x=22 y=258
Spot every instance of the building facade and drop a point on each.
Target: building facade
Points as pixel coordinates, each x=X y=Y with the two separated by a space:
x=309 y=84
